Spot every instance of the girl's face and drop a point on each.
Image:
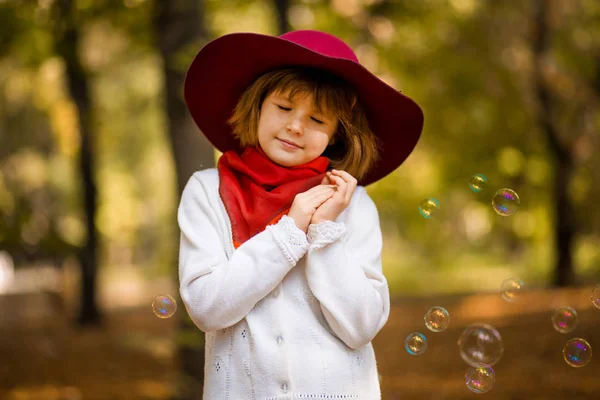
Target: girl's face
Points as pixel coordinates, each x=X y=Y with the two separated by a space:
x=296 y=121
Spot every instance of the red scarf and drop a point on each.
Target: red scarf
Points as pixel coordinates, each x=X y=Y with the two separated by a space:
x=257 y=192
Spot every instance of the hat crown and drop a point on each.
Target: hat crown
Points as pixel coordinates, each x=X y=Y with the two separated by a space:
x=322 y=43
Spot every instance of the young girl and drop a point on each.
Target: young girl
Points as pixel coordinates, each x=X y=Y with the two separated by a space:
x=280 y=257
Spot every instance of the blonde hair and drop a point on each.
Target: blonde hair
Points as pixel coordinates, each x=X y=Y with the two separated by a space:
x=354 y=147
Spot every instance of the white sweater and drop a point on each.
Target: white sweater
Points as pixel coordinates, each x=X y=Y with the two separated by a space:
x=287 y=315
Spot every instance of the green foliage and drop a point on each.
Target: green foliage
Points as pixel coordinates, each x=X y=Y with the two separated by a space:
x=467 y=63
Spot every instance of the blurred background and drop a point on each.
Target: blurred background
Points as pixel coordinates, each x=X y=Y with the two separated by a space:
x=96 y=145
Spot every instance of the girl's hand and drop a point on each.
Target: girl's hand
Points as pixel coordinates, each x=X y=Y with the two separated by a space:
x=306 y=203
x=333 y=207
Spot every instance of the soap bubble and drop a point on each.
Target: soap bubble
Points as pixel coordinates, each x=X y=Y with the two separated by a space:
x=505 y=202
x=596 y=296
x=428 y=207
x=480 y=379
x=477 y=183
x=415 y=344
x=511 y=289
x=437 y=319
x=164 y=306
x=577 y=352
x=480 y=345
x=565 y=319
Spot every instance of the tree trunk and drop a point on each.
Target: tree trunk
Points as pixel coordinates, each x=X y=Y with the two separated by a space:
x=282 y=7
x=179 y=27
x=67 y=42
x=565 y=224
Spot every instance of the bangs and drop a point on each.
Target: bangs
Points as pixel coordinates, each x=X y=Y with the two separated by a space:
x=332 y=95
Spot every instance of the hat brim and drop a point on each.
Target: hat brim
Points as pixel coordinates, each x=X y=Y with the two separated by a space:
x=224 y=67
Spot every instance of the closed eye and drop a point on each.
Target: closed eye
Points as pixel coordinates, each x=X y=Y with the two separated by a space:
x=288 y=109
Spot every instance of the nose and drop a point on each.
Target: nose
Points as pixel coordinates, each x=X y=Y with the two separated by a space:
x=294 y=125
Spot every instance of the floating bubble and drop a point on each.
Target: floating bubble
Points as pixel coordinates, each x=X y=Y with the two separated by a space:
x=480 y=379
x=565 y=319
x=437 y=319
x=477 y=183
x=480 y=345
x=164 y=306
x=428 y=207
x=577 y=352
x=415 y=344
x=506 y=202
x=511 y=289
x=596 y=296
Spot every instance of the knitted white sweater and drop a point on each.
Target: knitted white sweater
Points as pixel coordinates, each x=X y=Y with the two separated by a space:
x=287 y=315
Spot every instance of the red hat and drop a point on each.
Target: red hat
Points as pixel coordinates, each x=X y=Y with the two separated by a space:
x=224 y=67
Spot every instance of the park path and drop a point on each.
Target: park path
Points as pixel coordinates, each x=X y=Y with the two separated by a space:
x=131 y=356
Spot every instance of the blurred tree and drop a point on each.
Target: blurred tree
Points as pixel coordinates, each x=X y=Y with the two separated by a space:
x=67 y=35
x=29 y=213
x=179 y=28
x=282 y=8
x=550 y=113
x=469 y=65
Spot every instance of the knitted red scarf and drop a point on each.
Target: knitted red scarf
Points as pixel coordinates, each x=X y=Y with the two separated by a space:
x=257 y=192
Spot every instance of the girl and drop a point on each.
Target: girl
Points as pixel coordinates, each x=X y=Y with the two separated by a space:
x=280 y=257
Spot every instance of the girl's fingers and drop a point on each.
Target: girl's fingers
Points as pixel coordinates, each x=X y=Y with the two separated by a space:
x=341 y=185
x=322 y=198
x=322 y=190
x=349 y=180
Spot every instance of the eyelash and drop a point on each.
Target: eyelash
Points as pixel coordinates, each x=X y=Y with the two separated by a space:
x=288 y=109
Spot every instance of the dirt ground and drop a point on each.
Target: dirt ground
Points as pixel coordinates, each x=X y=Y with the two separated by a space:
x=131 y=357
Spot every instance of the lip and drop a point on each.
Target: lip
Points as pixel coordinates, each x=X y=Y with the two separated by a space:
x=289 y=144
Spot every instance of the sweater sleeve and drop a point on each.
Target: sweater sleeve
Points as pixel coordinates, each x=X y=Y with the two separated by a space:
x=217 y=292
x=345 y=274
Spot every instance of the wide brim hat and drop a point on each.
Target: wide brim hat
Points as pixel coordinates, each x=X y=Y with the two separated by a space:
x=224 y=68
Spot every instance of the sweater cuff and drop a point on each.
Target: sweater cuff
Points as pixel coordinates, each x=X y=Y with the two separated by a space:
x=290 y=239
x=320 y=235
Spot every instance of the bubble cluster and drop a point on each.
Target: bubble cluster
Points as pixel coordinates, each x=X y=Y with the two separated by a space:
x=506 y=202
x=437 y=319
x=477 y=183
x=164 y=306
x=428 y=207
x=596 y=297
x=565 y=319
x=577 y=352
x=415 y=344
x=480 y=379
x=511 y=289
x=480 y=345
